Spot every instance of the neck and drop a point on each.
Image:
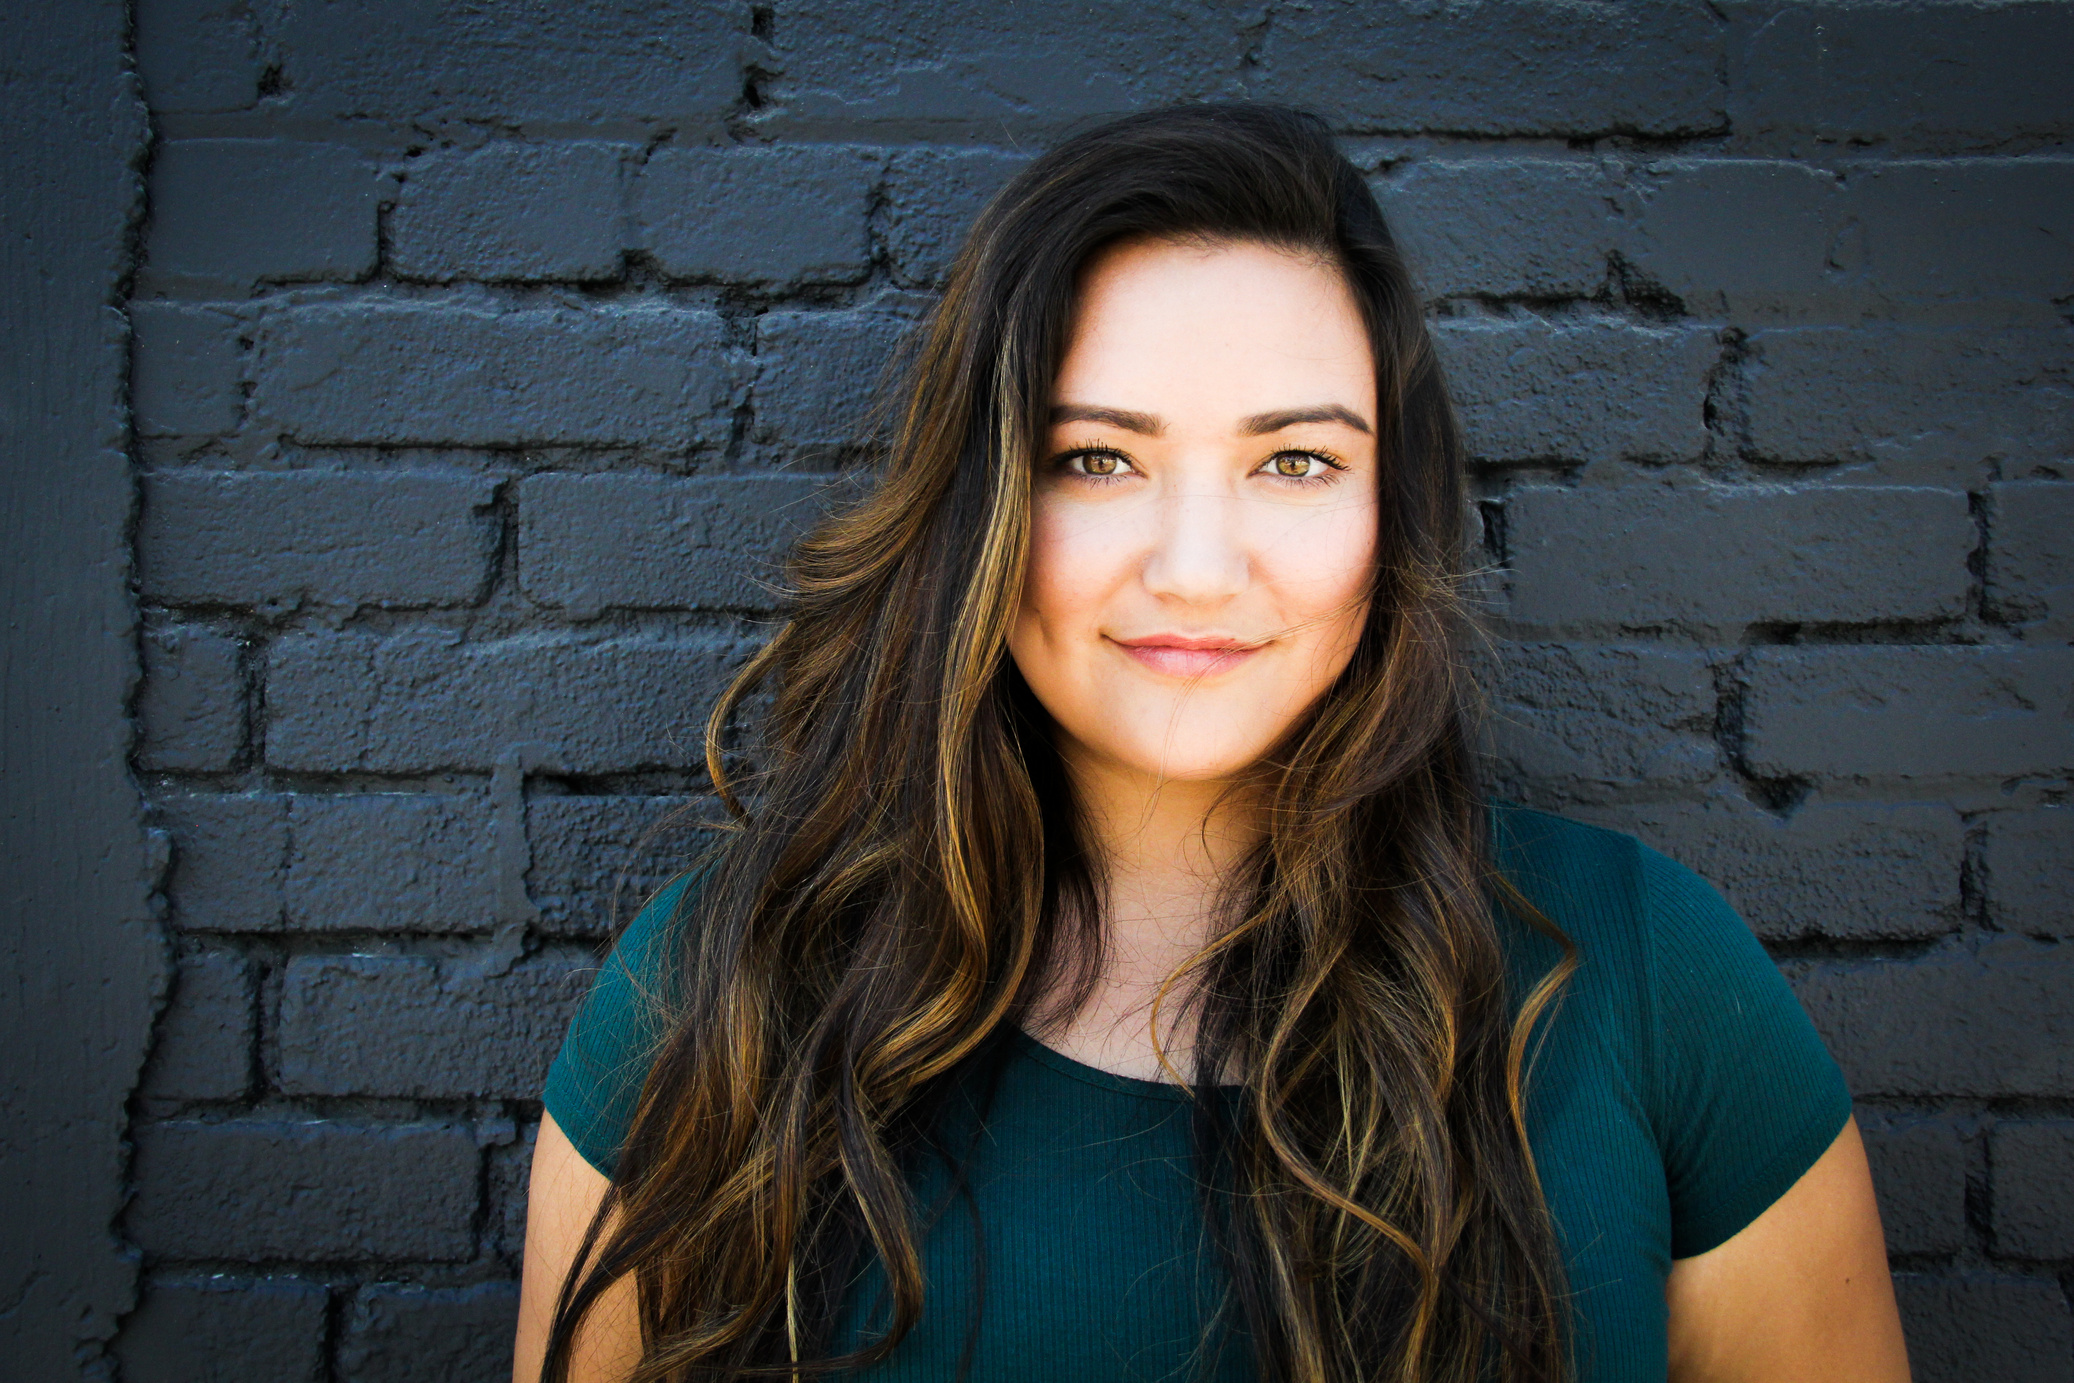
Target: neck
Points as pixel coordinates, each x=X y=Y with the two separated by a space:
x=1159 y=838
x=1166 y=848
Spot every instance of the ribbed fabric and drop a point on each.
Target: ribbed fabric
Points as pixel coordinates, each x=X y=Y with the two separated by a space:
x=1678 y=1092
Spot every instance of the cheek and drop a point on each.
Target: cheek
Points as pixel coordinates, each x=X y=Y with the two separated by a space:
x=1322 y=572
x=1056 y=597
x=1320 y=564
x=1073 y=569
x=1081 y=565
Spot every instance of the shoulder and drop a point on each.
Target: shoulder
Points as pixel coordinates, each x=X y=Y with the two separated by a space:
x=1540 y=851
x=1586 y=880
x=644 y=949
x=594 y=1083
x=1609 y=891
x=1738 y=1089
x=1657 y=946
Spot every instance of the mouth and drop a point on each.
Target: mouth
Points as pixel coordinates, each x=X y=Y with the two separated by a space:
x=1177 y=655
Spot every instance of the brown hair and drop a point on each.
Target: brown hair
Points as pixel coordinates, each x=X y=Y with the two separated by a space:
x=910 y=868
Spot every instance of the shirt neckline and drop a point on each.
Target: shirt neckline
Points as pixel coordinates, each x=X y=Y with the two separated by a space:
x=1100 y=1079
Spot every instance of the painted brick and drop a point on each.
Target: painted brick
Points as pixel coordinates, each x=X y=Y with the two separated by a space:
x=512 y=211
x=820 y=375
x=2030 y=869
x=1531 y=390
x=587 y=62
x=226 y=1330
x=400 y=1334
x=239 y=210
x=1624 y=555
x=196 y=55
x=229 y=858
x=1500 y=67
x=1909 y=398
x=391 y=861
x=1969 y=231
x=1538 y=228
x=395 y=862
x=394 y=1025
x=1833 y=869
x=2030 y=574
x=400 y=372
x=758 y=215
x=339 y=538
x=1613 y=716
x=592 y=542
x=931 y=198
x=2034 y=1189
x=1908 y=712
x=421 y=702
x=596 y=860
x=203 y=1049
x=191 y=708
x=185 y=370
x=1988 y=1022
x=1738 y=238
x=253 y=1190
x=1919 y=1172
x=972 y=69
x=510 y=1171
x=1918 y=76
x=1972 y=1328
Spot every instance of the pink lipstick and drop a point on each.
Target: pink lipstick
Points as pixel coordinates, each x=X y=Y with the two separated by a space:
x=1181 y=655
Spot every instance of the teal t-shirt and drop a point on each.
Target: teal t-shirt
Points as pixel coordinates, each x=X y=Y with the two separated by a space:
x=1678 y=1092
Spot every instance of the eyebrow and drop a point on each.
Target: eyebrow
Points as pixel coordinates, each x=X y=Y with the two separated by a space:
x=1262 y=423
x=1145 y=424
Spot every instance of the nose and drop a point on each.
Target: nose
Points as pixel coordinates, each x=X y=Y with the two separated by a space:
x=1198 y=553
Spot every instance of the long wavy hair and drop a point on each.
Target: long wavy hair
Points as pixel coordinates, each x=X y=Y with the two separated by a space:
x=907 y=874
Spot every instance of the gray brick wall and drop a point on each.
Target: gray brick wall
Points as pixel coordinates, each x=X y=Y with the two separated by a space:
x=483 y=358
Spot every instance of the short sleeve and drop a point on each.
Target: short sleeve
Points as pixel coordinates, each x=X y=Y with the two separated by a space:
x=1747 y=1097
x=594 y=1085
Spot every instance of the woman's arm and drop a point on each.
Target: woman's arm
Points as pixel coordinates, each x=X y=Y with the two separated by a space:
x=1801 y=1293
x=562 y=1197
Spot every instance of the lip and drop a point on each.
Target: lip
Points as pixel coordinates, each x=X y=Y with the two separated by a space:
x=1191 y=656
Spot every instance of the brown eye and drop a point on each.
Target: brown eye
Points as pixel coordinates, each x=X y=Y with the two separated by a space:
x=1097 y=463
x=1295 y=465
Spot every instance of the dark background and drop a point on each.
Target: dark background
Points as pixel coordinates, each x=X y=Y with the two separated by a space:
x=403 y=400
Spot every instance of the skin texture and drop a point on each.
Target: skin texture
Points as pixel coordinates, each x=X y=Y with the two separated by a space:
x=562 y=1195
x=1800 y=1295
x=1161 y=509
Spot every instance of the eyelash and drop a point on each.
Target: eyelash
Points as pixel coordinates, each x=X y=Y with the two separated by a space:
x=1333 y=465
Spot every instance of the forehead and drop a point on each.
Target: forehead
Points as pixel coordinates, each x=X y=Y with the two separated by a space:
x=1225 y=330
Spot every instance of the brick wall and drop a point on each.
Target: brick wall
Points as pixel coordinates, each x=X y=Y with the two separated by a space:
x=484 y=356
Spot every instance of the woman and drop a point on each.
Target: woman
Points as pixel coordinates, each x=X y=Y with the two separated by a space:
x=1116 y=972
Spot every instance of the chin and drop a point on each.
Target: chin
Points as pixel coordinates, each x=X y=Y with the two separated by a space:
x=1191 y=755
x=1202 y=771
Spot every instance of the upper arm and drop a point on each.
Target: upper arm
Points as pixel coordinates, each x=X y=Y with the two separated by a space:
x=1779 y=1270
x=562 y=1199
x=592 y=1091
x=594 y=1085
x=1745 y=1095
x=1800 y=1293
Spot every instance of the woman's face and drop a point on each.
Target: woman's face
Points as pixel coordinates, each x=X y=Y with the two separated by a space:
x=1204 y=518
